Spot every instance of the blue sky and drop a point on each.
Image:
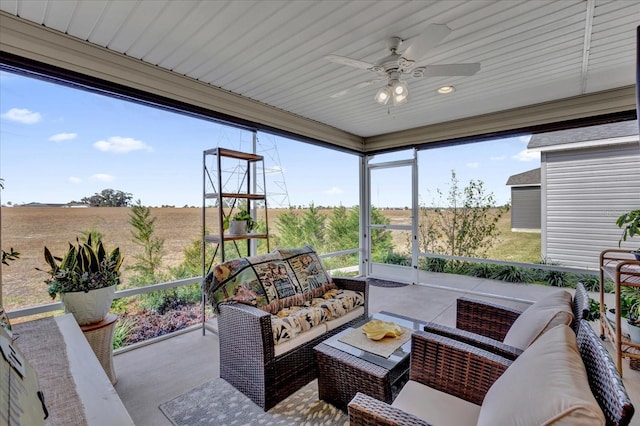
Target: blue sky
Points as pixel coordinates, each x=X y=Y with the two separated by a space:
x=59 y=144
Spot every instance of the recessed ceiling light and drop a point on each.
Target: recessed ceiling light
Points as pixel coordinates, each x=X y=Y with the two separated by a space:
x=446 y=89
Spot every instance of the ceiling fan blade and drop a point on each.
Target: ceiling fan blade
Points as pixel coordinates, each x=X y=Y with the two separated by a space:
x=445 y=70
x=342 y=60
x=357 y=86
x=421 y=44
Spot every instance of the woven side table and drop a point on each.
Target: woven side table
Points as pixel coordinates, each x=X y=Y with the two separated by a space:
x=100 y=338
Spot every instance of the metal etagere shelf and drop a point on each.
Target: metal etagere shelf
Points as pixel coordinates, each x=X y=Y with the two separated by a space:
x=624 y=270
x=232 y=180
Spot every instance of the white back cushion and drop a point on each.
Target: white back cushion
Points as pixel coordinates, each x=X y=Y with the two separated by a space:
x=546 y=385
x=548 y=312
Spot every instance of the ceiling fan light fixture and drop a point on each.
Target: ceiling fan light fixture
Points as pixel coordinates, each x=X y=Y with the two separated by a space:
x=400 y=92
x=444 y=90
x=399 y=88
x=400 y=99
x=383 y=95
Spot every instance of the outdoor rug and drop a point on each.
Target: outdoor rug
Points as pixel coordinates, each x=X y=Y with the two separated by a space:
x=385 y=283
x=218 y=403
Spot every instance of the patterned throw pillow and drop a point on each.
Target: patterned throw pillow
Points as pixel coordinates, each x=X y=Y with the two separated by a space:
x=262 y=281
x=307 y=268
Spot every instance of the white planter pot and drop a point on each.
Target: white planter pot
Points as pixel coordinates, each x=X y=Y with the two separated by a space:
x=237 y=227
x=634 y=333
x=91 y=307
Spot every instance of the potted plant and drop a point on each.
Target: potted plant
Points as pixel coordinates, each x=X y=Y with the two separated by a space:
x=85 y=278
x=634 y=323
x=241 y=223
x=630 y=224
x=630 y=305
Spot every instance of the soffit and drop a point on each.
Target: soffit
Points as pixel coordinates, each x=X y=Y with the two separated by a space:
x=549 y=54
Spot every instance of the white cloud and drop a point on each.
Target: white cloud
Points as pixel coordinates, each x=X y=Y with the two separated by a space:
x=498 y=158
x=121 y=145
x=60 y=137
x=526 y=155
x=473 y=165
x=73 y=179
x=102 y=177
x=333 y=191
x=22 y=115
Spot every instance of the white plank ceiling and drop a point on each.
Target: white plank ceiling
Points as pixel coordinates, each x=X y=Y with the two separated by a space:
x=530 y=51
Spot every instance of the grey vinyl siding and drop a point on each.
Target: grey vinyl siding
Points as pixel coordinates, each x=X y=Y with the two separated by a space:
x=584 y=192
x=525 y=208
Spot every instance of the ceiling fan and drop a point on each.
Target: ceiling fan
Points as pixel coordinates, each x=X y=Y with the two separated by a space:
x=399 y=64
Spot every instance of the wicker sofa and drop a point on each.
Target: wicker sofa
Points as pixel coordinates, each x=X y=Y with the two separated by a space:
x=272 y=310
x=560 y=379
x=506 y=331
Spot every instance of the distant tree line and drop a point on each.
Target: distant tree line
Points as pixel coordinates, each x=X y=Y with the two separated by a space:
x=109 y=198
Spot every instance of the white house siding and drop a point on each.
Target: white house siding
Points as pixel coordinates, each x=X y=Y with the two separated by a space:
x=584 y=191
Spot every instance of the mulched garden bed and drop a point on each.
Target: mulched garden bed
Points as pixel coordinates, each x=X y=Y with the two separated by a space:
x=149 y=324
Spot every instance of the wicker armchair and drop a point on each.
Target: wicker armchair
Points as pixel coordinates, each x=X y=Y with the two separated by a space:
x=467 y=372
x=247 y=356
x=485 y=325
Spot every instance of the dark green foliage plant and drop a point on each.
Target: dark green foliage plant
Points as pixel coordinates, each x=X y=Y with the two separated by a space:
x=241 y=215
x=512 y=274
x=594 y=310
x=556 y=278
x=9 y=256
x=482 y=270
x=590 y=282
x=630 y=224
x=162 y=301
x=394 y=258
x=434 y=264
x=85 y=266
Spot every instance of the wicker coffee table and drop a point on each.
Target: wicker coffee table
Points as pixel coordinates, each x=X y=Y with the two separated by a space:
x=344 y=370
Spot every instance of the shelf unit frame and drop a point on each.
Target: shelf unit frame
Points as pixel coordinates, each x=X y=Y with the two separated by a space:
x=624 y=270
x=230 y=194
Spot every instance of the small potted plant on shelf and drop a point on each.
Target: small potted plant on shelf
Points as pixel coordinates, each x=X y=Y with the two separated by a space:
x=85 y=278
x=241 y=223
x=630 y=224
x=630 y=303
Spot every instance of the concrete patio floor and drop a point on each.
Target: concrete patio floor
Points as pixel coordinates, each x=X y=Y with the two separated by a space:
x=153 y=374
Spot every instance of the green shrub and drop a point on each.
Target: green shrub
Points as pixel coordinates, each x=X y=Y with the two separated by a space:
x=590 y=282
x=512 y=274
x=594 y=310
x=394 y=258
x=122 y=329
x=556 y=278
x=434 y=264
x=482 y=270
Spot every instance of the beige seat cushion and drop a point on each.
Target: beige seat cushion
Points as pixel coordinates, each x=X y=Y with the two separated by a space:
x=349 y=316
x=436 y=407
x=548 y=312
x=546 y=385
x=299 y=339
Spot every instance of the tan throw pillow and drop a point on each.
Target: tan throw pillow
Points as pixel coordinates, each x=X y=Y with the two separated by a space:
x=548 y=312
x=546 y=385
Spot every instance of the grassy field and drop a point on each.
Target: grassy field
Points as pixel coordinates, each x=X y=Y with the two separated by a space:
x=29 y=229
